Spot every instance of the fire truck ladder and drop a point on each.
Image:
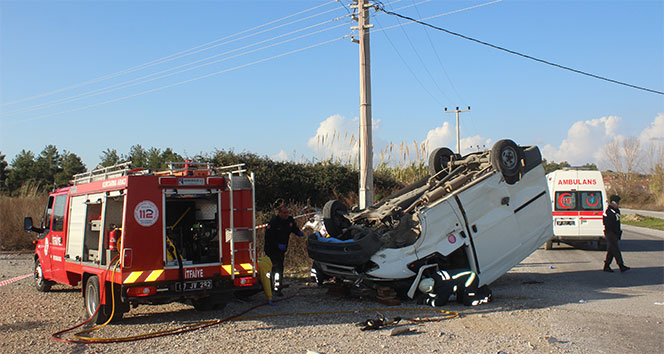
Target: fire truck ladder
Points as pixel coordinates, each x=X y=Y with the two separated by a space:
x=185 y=168
x=117 y=170
x=233 y=172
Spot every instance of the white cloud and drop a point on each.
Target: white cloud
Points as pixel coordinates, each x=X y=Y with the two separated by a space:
x=445 y=136
x=584 y=142
x=654 y=132
x=336 y=137
x=281 y=156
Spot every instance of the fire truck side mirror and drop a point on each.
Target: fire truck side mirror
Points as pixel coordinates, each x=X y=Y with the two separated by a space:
x=28 y=226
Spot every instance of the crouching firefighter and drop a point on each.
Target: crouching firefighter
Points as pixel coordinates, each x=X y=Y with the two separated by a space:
x=436 y=291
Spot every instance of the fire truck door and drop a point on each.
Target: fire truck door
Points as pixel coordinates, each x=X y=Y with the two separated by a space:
x=57 y=239
x=44 y=248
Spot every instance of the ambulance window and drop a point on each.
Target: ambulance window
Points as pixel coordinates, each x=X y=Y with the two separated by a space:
x=591 y=200
x=59 y=213
x=566 y=201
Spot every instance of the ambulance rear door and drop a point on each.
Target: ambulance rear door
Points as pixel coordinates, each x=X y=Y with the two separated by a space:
x=565 y=203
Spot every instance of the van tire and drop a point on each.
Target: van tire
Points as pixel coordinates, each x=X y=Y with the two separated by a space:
x=439 y=158
x=548 y=245
x=41 y=283
x=506 y=157
x=92 y=299
x=333 y=217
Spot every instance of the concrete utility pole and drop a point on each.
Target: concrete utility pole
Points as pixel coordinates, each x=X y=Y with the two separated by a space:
x=458 y=129
x=366 y=147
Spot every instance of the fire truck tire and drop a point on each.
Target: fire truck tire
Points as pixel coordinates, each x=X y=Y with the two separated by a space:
x=207 y=304
x=506 y=157
x=91 y=301
x=439 y=158
x=41 y=283
x=333 y=217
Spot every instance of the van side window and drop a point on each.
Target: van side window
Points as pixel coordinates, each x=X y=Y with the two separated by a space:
x=591 y=200
x=566 y=201
x=59 y=213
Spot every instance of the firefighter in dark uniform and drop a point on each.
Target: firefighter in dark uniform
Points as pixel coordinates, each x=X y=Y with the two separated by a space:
x=462 y=283
x=613 y=233
x=277 y=234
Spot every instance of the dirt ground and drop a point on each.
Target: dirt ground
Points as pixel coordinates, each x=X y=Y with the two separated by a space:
x=556 y=301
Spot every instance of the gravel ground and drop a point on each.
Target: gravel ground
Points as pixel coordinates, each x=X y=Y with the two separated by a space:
x=536 y=310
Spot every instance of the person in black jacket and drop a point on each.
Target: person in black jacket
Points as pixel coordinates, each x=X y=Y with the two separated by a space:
x=277 y=234
x=613 y=233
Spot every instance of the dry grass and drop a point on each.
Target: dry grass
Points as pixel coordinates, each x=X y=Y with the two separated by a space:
x=12 y=212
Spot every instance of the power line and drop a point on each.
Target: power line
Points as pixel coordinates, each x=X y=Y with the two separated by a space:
x=426 y=31
x=183 y=53
x=519 y=54
x=144 y=79
x=426 y=68
x=180 y=82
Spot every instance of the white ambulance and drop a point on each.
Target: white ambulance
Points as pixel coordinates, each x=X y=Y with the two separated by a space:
x=578 y=199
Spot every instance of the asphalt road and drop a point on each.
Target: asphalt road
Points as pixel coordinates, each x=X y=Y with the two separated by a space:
x=653 y=214
x=611 y=312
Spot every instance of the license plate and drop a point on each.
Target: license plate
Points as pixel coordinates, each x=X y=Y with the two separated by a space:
x=565 y=223
x=194 y=285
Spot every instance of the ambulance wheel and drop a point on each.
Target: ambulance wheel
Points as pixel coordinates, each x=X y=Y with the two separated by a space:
x=439 y=158
x=92 y=298
x=548 y=245
x=41 y=283
x=333 y=216
x=601 y=244
x=506 y=157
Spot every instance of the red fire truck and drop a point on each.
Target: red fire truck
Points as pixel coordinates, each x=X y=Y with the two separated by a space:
x=184 y=234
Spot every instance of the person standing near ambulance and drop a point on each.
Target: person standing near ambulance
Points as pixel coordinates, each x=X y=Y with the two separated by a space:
x=277 y=235
x=613 y=233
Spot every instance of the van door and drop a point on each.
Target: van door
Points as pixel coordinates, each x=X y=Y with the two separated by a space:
x=566 y=213
x=490 y=219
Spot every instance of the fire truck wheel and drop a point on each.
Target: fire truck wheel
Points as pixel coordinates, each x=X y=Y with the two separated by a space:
x=333 y=217
x=40 y=282
x=506 y=157
x=92 y=299
x=207 y=304
x=439 y=158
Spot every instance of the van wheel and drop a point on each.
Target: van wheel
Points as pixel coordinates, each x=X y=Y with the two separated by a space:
x=506 y=157
x=548 y=245
x=92 y=301
x=438 y=159
x=41 y=283
x=333 y=216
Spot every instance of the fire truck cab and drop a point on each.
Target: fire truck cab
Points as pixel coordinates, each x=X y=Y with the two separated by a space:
x=578 y=199
x=131 y=236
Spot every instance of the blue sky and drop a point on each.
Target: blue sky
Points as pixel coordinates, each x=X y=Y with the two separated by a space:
x=277 y=100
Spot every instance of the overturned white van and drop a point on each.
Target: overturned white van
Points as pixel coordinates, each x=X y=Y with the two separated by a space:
x=486 y=211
